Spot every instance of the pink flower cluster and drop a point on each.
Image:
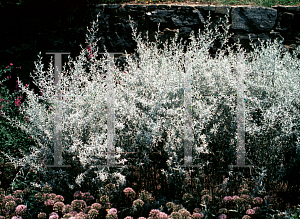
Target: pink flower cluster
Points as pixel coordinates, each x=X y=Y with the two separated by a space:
x=250 y=211
x=90 y=51
x=112 y=211
x=49 y=202
x=222 y=216
x=129 y=192
x=53 y=215
x=258 y=201
x=155 y=213
x=227 y=199
x=20 y=209
x=18 y=100
x=198 y=215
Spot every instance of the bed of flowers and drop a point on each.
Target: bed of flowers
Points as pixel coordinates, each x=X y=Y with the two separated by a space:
x=47 y=204
x=31 y=190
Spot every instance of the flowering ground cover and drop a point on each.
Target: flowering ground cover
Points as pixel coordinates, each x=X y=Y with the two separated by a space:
x=140 y=205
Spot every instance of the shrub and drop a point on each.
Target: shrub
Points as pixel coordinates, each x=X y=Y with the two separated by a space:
x=149 y=101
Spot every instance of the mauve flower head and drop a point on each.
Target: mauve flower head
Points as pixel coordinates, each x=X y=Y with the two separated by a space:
x=222 y=216
x=53 y=215
x=49 y=202
x=170 y=205
x=85 y=195
x=227 y=199
x=93 y=213
x=9 y=198
x=16 y=217
x=73 y=213
x=197 y=210
x=78 y=195
x=163 y=215
x=111 y=216
x=86 y=210
x=176 y=215
x=250 y=211
x=9 y=205
x=129 y=191
x=258 y=201
x=81 y=215
x=142 y=218
x=154 y=213
x=246 y=217
x=18 y=193
x=197 y=215
x=239 y=200
x=184 y=213
x=137 y=203
x=20 y=209
x=67 y=208
x=257 y=209
x=206 y=198
x=78 y=204
x=42 y=215
x=96 y=206
x=246 y=197
x=235 y=197
x=112 y=211
x=128 y=217
x=58 y=206
x=59 y=198
x=51 y=196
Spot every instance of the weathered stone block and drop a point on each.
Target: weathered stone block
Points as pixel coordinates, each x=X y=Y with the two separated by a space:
x=40 y=30
x=252 y=19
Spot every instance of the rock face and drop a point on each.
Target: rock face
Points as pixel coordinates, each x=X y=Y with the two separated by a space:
x=28 y=30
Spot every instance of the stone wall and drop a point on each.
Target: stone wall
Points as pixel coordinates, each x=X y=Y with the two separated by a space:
x=28 y=30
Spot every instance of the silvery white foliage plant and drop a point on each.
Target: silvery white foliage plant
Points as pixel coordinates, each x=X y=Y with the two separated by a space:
x=149 y=100
x=77 y=112
x=162 y=75
x=162 y=106
x=273 y=80
x=83 y=121
x=218 y=76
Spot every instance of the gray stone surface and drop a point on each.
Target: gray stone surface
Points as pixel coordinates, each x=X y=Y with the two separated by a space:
x=253 y=19
x=258 y=22
x=27 y=31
